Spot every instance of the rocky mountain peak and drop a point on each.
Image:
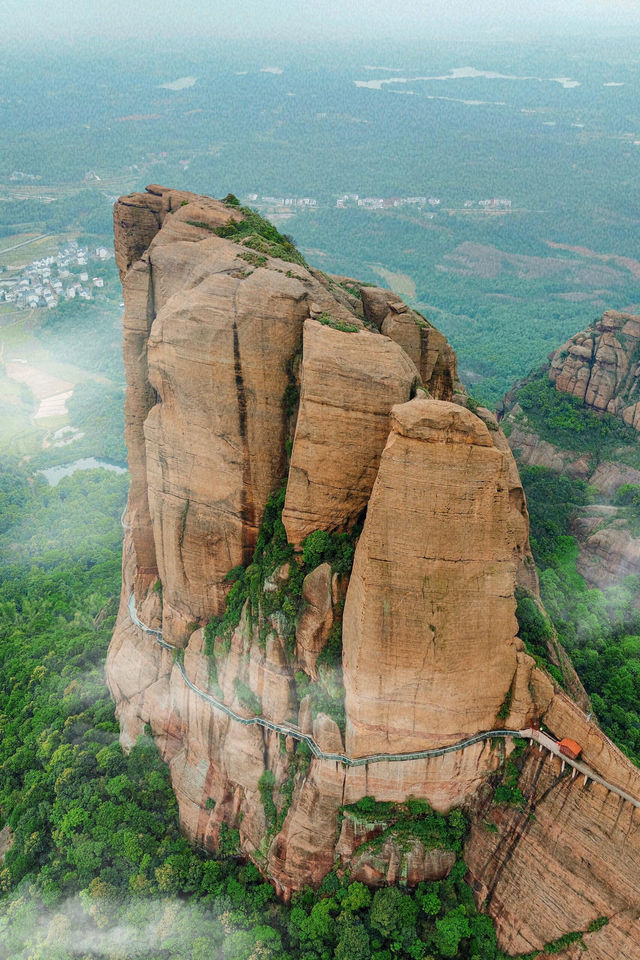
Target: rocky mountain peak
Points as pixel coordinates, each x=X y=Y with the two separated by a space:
x=322 y=543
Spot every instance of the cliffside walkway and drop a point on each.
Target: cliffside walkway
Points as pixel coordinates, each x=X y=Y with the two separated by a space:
x=544 y=741
x=290 y=730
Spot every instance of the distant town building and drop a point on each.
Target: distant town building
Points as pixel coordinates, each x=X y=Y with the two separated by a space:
x=20 y=176
x=495 y=203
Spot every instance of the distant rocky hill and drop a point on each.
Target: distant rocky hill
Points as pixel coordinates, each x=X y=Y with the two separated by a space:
x=327 y=535
x=601 y=366
x=593 y=439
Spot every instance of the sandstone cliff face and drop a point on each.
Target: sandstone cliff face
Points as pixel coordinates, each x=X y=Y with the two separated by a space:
x=430 y=601
x=246 y=371
x=349 y=384
x=570 y=852
x=427 y=347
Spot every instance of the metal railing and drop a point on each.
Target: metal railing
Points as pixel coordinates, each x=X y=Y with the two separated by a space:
x=290 y=730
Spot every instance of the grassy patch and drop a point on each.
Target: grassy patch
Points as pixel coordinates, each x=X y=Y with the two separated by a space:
x=255 y=232
x=328 y=321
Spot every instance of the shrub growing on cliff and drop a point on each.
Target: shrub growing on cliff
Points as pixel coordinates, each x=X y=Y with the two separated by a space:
x=257 y=233
x=272 y=552
x=266 y=784
x=328 y=321
x=413 y=819
x=567 y=423
x=535 y=630
x=322 y=546
x=247 y=697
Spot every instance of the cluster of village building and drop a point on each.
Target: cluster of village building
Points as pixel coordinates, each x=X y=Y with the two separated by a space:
x=283 y=201
x=19 y=176
x=383 y=203
x=47 y=282
x=377 y=203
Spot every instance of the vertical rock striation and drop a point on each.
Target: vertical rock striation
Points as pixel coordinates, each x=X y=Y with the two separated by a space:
x=349 y=383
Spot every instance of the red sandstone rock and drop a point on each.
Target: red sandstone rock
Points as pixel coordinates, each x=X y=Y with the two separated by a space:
x=316 y=618
x=430 y=650
x=350 y=381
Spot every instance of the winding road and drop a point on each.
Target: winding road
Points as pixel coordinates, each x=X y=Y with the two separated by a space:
x=544 y=741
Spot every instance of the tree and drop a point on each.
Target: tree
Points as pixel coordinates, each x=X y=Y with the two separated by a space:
x=353 y=940
x=451 y=929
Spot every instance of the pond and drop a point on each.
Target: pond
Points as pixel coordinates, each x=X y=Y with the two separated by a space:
x=53 y=475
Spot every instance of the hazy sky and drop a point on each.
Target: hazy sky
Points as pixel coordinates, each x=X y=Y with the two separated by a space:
x=304 y=20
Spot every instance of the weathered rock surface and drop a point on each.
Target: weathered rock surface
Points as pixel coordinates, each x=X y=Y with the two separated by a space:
x=6 y=842
x=534 y=452
x=218 y=359
x=432 y=355
x=394 y=859
x=608 y=551
x=393 y=863
x=316 y=618
x=350 y=381
x=570 y=853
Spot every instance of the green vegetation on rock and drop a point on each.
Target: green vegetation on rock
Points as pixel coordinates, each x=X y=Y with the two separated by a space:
x=567 y=423
x=328 y=321
x=258 y=234
x=412 y=820
x=272 y=586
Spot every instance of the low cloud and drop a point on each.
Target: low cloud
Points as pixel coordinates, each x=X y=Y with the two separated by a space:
x=107 y=929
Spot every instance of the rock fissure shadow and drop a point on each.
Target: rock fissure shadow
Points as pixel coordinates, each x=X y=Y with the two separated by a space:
x=517 y=831
x=247 y=507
